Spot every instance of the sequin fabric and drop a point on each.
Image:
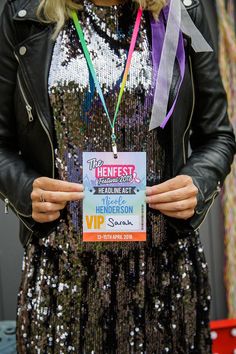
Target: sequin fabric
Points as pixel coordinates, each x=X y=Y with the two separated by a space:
x=109 y=298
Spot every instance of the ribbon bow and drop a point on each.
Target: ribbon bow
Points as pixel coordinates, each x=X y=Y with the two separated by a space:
x=178 y=21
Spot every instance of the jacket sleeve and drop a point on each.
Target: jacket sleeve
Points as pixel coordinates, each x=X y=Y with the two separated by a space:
x=16 y=176
x=212 y=138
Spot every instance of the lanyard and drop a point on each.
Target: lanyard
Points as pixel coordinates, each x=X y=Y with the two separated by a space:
x=93 y=73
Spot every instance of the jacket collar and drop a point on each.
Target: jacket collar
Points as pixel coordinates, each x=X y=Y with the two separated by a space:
x=26 y=11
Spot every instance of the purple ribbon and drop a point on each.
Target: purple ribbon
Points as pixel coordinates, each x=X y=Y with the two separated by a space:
x=158 y=37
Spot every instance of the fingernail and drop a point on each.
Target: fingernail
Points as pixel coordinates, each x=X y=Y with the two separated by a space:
x=79 y=186
x=80 y=196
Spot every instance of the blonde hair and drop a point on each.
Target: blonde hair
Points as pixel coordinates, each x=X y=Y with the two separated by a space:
x=58 y=11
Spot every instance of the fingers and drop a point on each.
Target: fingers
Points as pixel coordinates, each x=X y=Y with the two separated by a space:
x=184 y=214
x=50 y=184
x=44 y=217
x=48 y=207
x=178 y=214
x=49 y=196
x=56 y=197
x=176 y=206
x=46 y=212
x=175 y=195
x=56 y=191
x=170 y=185
x=175 y=198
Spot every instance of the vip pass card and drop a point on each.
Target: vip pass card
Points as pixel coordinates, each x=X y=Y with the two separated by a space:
x=114 y=207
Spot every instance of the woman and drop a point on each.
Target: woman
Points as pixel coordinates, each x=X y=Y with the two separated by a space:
x=108 y=297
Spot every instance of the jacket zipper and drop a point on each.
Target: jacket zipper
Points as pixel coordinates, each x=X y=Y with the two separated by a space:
x=216 y=192
x=207 y=212
x=6 y=200
x=40 y=119
x=27 y=105
x=193 y=105
x=30 y=118
x=6 y=205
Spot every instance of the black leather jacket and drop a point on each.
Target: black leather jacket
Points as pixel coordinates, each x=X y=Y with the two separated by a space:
x=26 y=126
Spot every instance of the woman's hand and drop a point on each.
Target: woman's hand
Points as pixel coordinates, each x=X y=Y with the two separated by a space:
x=176 y=197
x=49 y=196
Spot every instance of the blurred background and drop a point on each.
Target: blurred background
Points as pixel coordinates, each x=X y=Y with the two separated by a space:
x=218 y=232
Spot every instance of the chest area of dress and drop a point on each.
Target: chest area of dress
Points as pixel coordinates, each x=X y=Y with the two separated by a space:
x=108 y=38
x=80 y=118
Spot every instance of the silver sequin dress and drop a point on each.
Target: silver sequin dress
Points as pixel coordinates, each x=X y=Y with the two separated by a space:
x=109 y=298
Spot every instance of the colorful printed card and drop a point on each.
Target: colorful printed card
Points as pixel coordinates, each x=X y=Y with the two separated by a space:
x=114 y=207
